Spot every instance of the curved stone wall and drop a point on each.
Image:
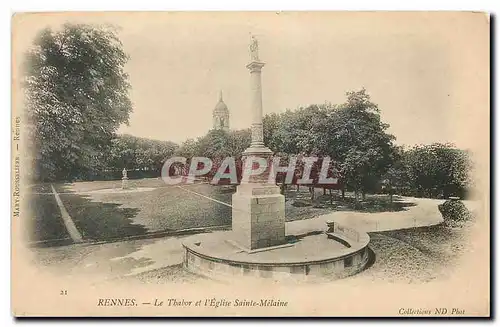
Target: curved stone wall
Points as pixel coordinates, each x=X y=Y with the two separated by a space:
x=337 y=264
x=215 y=268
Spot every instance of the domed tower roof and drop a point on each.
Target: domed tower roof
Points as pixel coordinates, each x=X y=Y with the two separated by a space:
x=220 y=115
x=221 y=106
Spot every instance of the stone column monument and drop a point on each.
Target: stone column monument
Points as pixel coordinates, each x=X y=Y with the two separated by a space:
x=258 y=214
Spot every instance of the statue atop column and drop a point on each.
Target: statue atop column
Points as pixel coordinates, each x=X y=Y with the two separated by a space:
x=254 y=49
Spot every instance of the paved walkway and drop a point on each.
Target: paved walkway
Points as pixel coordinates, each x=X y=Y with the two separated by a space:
x=133 y=257
x=424 y=213
x=68 y=222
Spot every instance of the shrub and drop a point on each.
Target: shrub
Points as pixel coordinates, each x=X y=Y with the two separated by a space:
x=454 y=212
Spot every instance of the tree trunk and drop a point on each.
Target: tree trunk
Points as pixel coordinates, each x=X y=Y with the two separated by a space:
x=282 y=188
x=324 y=191
x=363 y=195
x=343 y=193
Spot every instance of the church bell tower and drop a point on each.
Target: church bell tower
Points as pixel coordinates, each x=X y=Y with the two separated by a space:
x=221 y=115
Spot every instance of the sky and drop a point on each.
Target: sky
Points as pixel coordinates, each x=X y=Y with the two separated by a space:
x=428 y=72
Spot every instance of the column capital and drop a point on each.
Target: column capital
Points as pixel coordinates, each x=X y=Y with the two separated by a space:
x=255 y=66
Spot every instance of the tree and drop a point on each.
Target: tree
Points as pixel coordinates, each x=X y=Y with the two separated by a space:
x=437 y=170
x=136 y=153
x=214 y=145
x=358 y=141
x=187 y=149
x=396 y=177
x=351 y=134
x=239 y=141
x=123 y=153
x=271 y=123
x=294 y=133
x=297 y=132
x=76 y=98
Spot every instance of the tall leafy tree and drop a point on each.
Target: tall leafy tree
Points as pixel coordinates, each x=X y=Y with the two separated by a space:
x=361 y=143
x=298 y=131
x=437 y=170
x=395 y=180
x=76 y=98
x=187 y=149
x=215 y=145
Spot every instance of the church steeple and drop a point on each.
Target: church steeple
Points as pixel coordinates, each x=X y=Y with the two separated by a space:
x=221 y=115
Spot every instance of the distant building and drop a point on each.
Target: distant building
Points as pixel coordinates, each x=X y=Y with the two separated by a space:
x=221 y=115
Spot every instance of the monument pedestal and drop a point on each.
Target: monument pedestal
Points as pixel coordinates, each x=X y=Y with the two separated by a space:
x=258 y=216
x=125 y=183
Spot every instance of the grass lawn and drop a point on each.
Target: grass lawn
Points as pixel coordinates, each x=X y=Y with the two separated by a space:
x=101 y=216
x=113 y=215
x=46 y=222
x=106 y=216
x=415 y=255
